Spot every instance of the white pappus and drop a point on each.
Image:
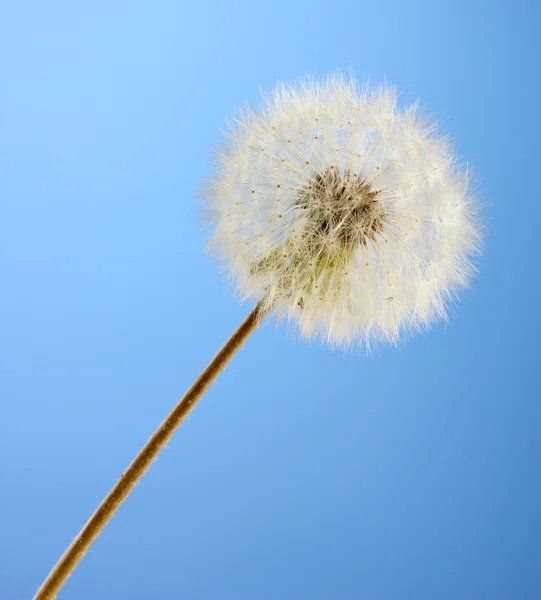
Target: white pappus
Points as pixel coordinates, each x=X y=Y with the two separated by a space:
x=348 y=214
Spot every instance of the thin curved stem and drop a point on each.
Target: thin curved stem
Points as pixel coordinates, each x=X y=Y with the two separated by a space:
x=77 y=549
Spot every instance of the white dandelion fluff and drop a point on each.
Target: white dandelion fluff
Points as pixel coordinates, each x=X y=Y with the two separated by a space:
x=346 y=213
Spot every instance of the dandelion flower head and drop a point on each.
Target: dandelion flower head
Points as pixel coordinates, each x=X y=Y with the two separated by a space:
x=348 y=214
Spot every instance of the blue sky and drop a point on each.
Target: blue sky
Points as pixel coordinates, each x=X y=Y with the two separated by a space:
x=304 y=472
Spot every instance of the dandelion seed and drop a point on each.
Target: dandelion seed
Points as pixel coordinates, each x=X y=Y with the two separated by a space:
x=388 y=193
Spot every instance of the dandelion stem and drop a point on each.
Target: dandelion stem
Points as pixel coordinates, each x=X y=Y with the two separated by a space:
x=68 y=561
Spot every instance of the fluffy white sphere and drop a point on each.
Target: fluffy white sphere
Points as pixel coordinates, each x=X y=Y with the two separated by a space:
x=346 y=213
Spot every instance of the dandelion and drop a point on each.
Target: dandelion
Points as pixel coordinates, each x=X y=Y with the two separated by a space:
x=338 y=210
x=347 y=214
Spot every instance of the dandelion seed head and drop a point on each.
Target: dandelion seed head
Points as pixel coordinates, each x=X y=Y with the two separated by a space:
x=351 y=216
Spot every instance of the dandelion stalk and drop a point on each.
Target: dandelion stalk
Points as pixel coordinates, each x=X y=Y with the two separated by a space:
x=77 y=549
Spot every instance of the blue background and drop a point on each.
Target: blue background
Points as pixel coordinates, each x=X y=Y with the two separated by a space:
x=304 y=473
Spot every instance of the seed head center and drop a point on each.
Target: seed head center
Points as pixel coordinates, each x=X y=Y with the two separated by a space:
x=341 y=209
